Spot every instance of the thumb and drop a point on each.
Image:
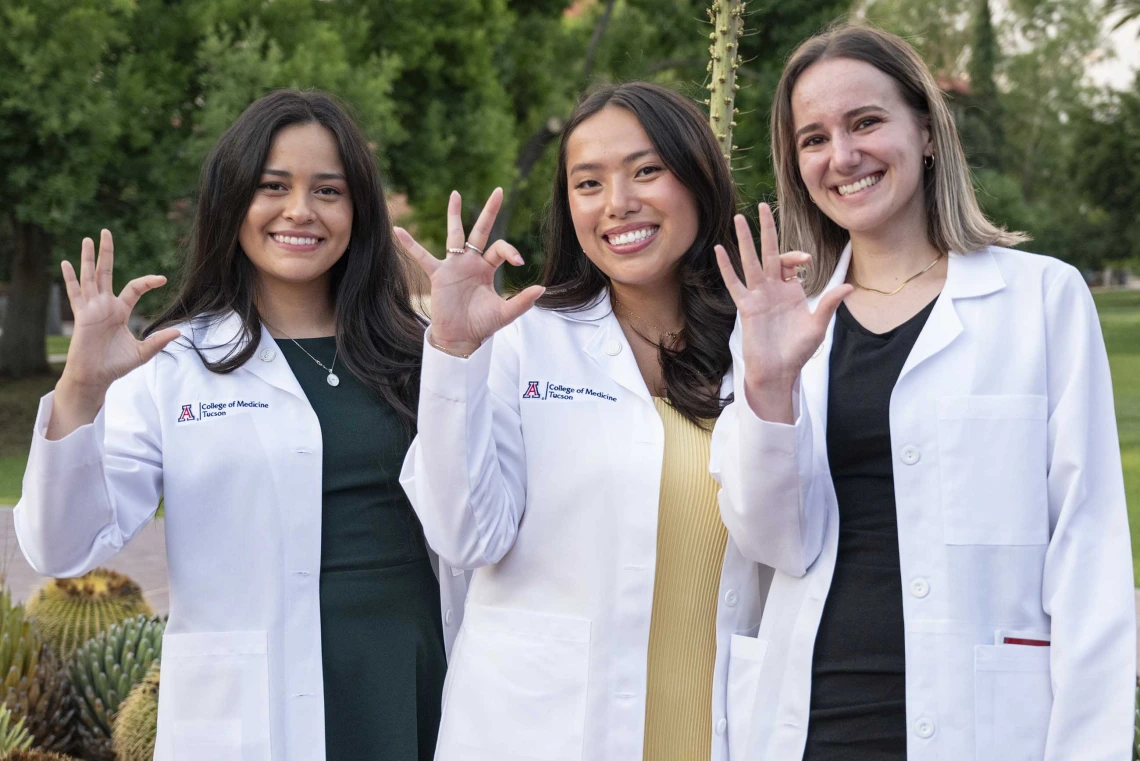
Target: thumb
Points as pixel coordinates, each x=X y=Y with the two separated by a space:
x=829 y=302
x=522 y=301
x=156 y=342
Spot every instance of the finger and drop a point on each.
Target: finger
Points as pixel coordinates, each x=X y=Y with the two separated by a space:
x=517 y=305
x=769 y=241
x=156 y=342
x=455 y=236
x=420 y=255
x=753 y=275
x=134 y=290
x=482 y=229
x=501 y=251
x=829 y=302
x=736 y=289
x=87 y=269
x=71 y=283
x=791 y=262
x=105 y=265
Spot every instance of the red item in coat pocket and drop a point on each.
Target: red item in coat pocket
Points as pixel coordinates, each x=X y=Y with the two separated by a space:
x=1024 y=641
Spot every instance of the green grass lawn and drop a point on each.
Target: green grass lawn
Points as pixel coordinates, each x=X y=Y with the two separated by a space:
x=1119 y=316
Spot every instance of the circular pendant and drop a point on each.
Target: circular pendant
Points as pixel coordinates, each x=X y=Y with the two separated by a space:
x=333 y=380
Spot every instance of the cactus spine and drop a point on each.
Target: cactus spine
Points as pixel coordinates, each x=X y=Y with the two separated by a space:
x=69 y=612
x=33 y=685
x=13 y=734
x=102 y=674
x=136 y=725
x=727 y=18
x=35 y=754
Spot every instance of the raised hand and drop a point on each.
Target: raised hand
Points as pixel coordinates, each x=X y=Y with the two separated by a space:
x=465 y=308
x=102 y=347
x=779 y=331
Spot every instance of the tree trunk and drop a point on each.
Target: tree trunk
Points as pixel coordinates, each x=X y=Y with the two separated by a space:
x=22 y=345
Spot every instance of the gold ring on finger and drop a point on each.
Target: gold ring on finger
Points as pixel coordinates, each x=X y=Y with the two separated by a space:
x=456 y=251
x=795 y=278
x=472 y=246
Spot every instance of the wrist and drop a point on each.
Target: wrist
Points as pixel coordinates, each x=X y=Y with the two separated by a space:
x=461 y=349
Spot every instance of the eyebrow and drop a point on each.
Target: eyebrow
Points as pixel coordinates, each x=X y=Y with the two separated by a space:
x=587 y=167
x=320 y=176
x=849 y=115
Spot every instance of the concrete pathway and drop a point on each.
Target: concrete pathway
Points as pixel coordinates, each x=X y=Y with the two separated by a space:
x=144 y=560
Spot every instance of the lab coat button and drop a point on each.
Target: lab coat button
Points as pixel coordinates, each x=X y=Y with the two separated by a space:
x=924 y=728
x=911 y=455
x=920 y=587
x=613 y=348
x=721 y=726
x=447 y=617
x=731 y=598
x=267 y=355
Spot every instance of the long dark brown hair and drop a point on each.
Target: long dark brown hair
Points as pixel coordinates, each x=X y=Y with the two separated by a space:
x=680 y=133
x=379 y=336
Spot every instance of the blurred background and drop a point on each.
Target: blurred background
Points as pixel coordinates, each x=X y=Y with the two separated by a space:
x=108 y=107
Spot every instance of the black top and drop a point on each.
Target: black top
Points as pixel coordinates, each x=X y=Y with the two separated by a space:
x=858 y=689
x=381 y=636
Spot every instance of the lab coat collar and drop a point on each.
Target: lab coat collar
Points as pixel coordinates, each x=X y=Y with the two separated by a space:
x=220 y=337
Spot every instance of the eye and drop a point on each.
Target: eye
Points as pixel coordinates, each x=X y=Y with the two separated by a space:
x=587 y=185
x=648 y=171
x=811 y=141
x=327 y=191
x=870 y=121
x=272 y=186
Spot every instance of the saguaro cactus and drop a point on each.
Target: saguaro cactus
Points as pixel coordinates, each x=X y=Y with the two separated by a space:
x=727 y=18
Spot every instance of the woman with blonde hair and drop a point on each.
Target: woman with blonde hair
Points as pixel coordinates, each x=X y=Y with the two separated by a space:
x=923 y=446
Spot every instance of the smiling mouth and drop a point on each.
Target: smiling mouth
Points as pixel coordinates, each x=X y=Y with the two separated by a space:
x=632 y=236
x=293 y=240
x=861 y=185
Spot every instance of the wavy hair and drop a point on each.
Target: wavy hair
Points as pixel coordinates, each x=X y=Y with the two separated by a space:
x=954 y=221
x=680 y=133
x=379 y=336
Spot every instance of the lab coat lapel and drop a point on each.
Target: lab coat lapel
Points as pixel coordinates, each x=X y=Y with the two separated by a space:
x=966 y=277
x=222 y=337
x=607 y=346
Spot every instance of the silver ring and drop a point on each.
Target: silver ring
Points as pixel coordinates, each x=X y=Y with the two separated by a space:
x=472 y=246
x=456 y=251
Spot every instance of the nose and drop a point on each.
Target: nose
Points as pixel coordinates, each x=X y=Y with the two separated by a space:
x=845 y=155
x=621 y=198
x=298 y=207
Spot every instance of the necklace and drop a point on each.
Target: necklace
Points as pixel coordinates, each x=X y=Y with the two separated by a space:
x=668 y=335
x=333 y=380
x=906 y=282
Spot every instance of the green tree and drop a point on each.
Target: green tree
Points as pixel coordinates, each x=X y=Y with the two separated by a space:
x=982 y=127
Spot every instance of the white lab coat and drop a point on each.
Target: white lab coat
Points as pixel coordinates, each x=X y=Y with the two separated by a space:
x=1011 y=520
x=538 y=464
x=237 y=458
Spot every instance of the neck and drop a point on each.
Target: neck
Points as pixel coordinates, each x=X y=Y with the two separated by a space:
x=296 y=310
x=882 y=258
x=652 y=305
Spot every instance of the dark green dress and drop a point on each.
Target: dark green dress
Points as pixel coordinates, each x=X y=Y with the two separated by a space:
x=381 y=635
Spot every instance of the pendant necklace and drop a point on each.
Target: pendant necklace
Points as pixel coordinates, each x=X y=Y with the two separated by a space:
x=332 y=380
x=666 y=336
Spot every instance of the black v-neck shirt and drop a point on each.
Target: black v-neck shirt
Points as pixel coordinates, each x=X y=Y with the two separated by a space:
x=858 y=689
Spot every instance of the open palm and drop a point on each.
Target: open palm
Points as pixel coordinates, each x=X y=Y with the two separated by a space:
x=102 y=347
x=465 y=308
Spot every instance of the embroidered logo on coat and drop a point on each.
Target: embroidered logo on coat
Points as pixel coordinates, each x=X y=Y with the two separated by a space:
x=562 y=391
x=532 y=391
x=206 y=410
x=187 y=413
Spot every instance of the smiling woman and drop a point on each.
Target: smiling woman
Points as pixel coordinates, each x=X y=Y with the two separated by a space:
x=270 y=407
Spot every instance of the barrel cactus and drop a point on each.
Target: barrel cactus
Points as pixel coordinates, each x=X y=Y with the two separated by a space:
x=69 y=612
x=102 y=674
x=36 y=754
x=136 y=725
x=33 y=685
x=13 y=734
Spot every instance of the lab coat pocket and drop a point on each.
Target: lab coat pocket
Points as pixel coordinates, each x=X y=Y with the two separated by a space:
x=1013 y=699
x=517 y=690
x=215 y=696
x=992 y=458
x=745 y=662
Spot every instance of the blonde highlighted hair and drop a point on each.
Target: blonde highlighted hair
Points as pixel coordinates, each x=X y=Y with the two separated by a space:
x=954 y=221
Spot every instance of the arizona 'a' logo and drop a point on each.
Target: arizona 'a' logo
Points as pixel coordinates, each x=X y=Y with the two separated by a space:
x=187 y=413
x=532 y=391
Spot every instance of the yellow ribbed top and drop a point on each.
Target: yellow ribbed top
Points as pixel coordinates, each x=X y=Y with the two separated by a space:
x=682 y=634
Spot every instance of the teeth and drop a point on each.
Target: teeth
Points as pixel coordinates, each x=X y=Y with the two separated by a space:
x=855 y=187
x=295 y=241
x=633 y=236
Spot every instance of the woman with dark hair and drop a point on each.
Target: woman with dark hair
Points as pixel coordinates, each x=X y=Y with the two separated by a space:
x=923 y=447
x=270 y=406
x=563 y=454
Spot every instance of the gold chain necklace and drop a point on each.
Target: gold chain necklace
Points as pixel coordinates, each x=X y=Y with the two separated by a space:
x=668 y=335
x=905 y=283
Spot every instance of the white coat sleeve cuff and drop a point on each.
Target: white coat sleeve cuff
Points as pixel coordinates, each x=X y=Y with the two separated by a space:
x=81 y=447
x=457 y=379
x=768 y=439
